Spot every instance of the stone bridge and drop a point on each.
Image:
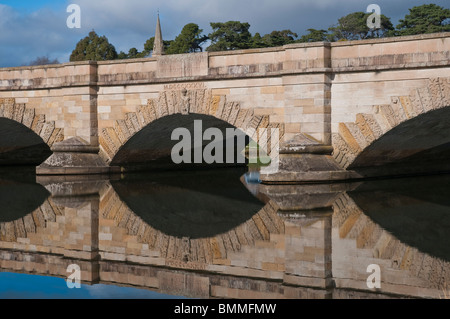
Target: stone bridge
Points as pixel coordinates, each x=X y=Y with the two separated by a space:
x=344 y=110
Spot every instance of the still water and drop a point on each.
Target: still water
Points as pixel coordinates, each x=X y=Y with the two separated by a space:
x=218 y=234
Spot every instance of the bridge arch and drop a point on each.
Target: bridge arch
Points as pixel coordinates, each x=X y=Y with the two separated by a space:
x=383 y=243
x=407 y=128
x=21 y=128
x=259 y=226
x=177 y=104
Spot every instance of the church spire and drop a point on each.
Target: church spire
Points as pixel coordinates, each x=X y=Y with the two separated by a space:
x=158 y=44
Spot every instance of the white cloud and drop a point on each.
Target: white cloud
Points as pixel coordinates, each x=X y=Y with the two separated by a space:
x=25 y=37
x=130 y=23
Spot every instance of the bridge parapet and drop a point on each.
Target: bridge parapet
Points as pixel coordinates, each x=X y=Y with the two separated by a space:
x=347 y=56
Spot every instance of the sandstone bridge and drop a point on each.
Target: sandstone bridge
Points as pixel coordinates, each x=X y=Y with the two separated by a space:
x=343 y=110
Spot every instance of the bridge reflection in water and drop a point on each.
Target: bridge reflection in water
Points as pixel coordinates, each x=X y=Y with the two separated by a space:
x=205 y=235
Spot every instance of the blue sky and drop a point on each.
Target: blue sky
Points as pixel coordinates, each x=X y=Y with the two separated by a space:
x=24 y=286
x=32 y=5
x=33 y=28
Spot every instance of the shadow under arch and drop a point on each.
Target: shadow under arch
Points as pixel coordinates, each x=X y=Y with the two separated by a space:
x=190 y=204
x=19 y=145
x=20 y=198
x=414 y=210
x=409 y=136
x=152 y=146
x=422 y=140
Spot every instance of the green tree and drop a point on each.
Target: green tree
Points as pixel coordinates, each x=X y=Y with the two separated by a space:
x=148 y=46
x=189 y=40
x=315 y=36
x=354 y=27
x=258 y=41
x=93 y=48
x=122 y=55
x=230 y=35
x=427 y=18
x=279 y=38
x=133 y=53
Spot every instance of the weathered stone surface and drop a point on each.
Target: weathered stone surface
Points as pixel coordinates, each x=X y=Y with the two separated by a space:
x=38 y=124
x=19 y=110
x=445 y=90
x=402 y=111
x=162 y=108
x=426 y=99
x=28 y=117
x=47 y=131
x=351 y=140
x=408 y=107
x=74 y=157
x=389 y=115
x=122 y=131
x=56 y=137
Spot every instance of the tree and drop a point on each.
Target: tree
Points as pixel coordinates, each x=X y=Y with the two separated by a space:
x=148 y=46
x=93 y=48
x=43 y=60
x=315 y=36
x=427 y=18
x=354 y=27
x=230 y=35
x=122 y=55
x=279 y=38
x=133 y=53
x=189 y=40
x=258 y=41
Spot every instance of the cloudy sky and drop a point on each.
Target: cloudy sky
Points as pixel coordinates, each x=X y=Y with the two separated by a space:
x=33 y=28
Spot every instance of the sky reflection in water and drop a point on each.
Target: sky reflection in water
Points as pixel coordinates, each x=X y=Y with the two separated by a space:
x=22 y=286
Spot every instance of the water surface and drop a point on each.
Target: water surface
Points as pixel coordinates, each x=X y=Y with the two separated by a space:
x=210 y=234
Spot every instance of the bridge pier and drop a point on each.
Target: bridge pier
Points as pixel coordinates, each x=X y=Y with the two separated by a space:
x=75 y=157
x=304 y=160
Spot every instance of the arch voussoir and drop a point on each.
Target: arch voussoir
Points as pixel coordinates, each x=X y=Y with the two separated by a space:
x=180 y=101
x=47 y=131
x=28 y=117
x=19 y=110
x=132 y=122
x=444 y=84
x=353 y=138
x=56 y=136
x=20 y=113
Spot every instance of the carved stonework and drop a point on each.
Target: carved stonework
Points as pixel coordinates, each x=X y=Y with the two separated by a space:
x=36 y=122
x=185 y=102
x=435 y=91
x=445 y=90
x=426 y=98
x=187 y=86
x=185 y=99
x=434 y=96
